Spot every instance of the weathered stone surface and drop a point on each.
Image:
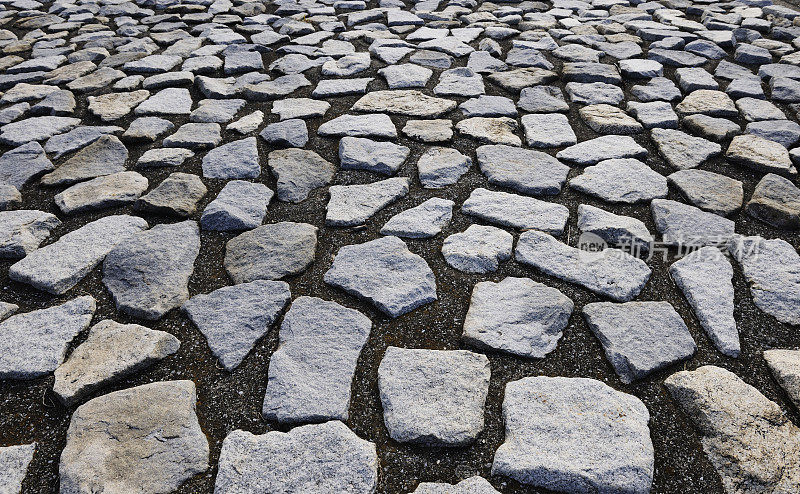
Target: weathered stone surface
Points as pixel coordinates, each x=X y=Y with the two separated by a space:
x=299 y=172
x=776 y=200
x=709 y=191
x=753 y=446
x=271 y=252
x=516 y=211
x=433 y=397
x=625 y=232
x=479 y=249
x=240 y=205
x=705 y=278
x=708 y=102
x=499 y=130
x=236 y=159
x=607 y=119
x=35 y=129
x=169 y=101
x=113 y=106
x=423 y=221
x=472 y=485
x=523 y=170
x=59 y=266
x=144 y=439
x=311 y=372
x=325 y=457
x=682 y=224
x=439 y=167
x=760 y=154
x=683 y=151
x=785 y=367
x=352 y=205
x=385 y=273
x=602 y=148
x=639 y=338
x=234 y=318
x=21 y=232
x=178 y=195
x=621 y=180
x=372 y=125
x=22 y=164
x=517 y=316
x=611 y=272
x=356 y=153
x=148 y=273
x=163 y=157
x=409 y=102
x=195 y=136
x=110 y=352
x=575 y=435
x=102 y=192
x=772 y=270
x=14 y=462
x=35 y=343
x=104 y=156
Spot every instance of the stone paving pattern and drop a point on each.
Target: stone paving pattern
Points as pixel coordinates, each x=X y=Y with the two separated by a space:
x=395 y=246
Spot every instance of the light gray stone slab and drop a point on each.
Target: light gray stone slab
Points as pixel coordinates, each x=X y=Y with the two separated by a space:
x=240 y=205
x=299 y=172
x=516 y=211
x=270 y=252
x=479 y=249
x=423 y=221
x=682 y=224
x=353 y=205
x=14 y=462
x=22 y=231
x=523 y=170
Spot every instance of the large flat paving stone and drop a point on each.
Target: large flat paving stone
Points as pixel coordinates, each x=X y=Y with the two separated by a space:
x=271 y=251
x=311 y=372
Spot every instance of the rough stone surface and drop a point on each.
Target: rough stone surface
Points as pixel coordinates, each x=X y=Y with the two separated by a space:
x=311 y=373
x=516 y=211
x=299 y=172
x=423 y=221
x=21 y=232
x=385 y=273
x=575 y=435
x=433 y=397
x=352 y=205
x=523 y=170
x=144 y=439
x=271 y=251
x=14 y=462
x=479 y=249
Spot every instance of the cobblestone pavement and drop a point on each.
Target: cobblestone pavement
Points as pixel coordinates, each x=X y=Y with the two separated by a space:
x=436 y=247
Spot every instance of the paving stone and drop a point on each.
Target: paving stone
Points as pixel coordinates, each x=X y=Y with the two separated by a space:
x=270 y=252
x=516 y=316
x=542 y=99
x=423 y=221
x=311 y=373
x=14 y=463
x=167 y=102
x=490 y=130
x=682 y=150
x=36 y=342
x=479 y=249
x=516 y=211
x=523 y=170
x=654 y=114
x=715 y=129
x=760 y=154
x=783 y=364
x=234 y=318
x=472 y=485
x=110 y=440
x=240 y=205
x=148 y=273
x=612 y=273
x=234 y=160
x=433 y=397
x=517 y=79
x=439 y=167
x=602 y=148
x=705 y=278
x=707 y=102
x=594 y=93
x=621 y=180
x=407 y=75
x=547 y=130
x=356 y=153
x=35 y=129
x=429 y=131
x=328 y=456
x=709 y=191
x=286 y=133
x=656 y=89
x=177 y=195
x=102 y=192
x=607 y=119
x=353 y=205
x=742 y=432
x=300 y=108
x=385 y=273
x=684 y=225
x=22 y=231
x=110 y=352
x=639 y=338
x=374 y=125
x=575 y=435
x=147 y=129
x=776 y=200
x=218 y=111
x=248 y=123
x=616 y=230
x=195 y=136
x=408 y=102
x=488 y=106
x=59 y=266
x=113 y=106
x=163 y=157
x=299 y=172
